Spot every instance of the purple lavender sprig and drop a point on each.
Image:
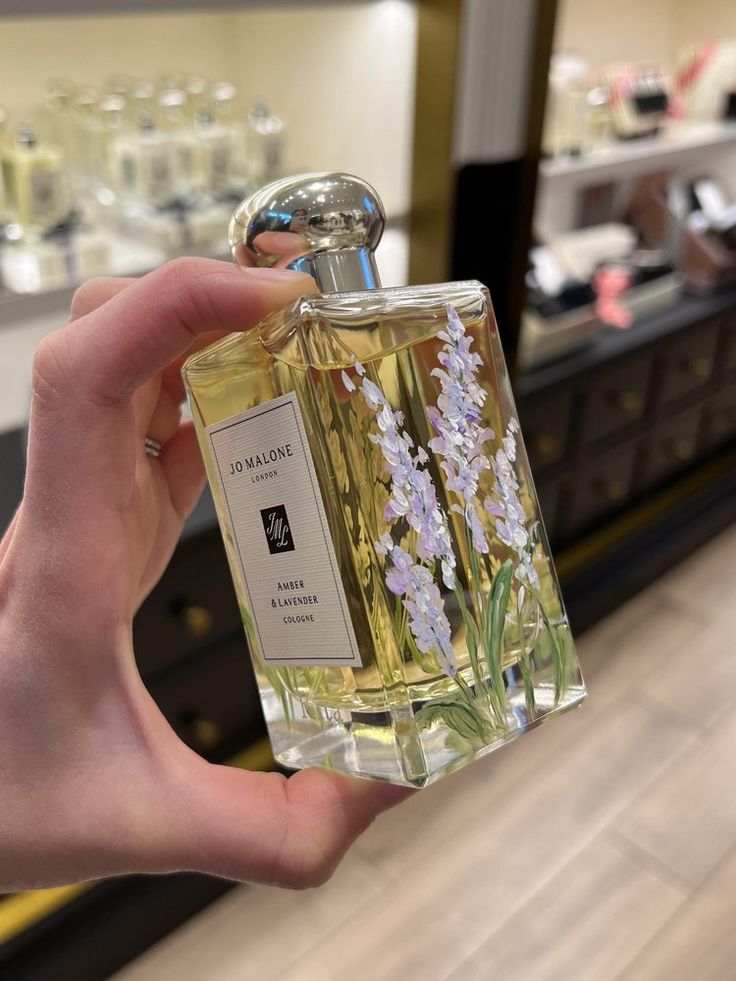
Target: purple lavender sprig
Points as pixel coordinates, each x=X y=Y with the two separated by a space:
x=422 y=600
x=457 y=420
x=413 y=497
x=511 y=520
x=413 y=494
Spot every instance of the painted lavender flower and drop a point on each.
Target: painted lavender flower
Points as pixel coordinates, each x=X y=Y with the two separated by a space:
x=413 y=494
x=511 y=521
x=457 y=420
x=428 y=623
x=414 y=498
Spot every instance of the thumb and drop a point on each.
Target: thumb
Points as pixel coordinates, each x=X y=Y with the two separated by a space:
x=267 y=828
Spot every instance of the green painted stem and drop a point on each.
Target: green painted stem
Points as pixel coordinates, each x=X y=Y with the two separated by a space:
x=558 y=652
x=527 y=672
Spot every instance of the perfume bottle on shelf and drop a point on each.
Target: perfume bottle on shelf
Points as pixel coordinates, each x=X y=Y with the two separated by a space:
x=223 y=96
x=566 y=117
x=107 y=129
x=195 y=88
x=141 y=99
x=58 y=98
x=175 y=125
x=144 y=165
x=82 y=152
x=600 y=125
x=35 y=182
x=264 y=144
x=214 y=152
x=364 y=453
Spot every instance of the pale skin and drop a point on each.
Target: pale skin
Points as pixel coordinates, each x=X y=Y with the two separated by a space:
x=93 y=781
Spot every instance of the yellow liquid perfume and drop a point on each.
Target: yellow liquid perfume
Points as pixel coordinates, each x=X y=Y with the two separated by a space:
x=401 y=607
x=35 y=182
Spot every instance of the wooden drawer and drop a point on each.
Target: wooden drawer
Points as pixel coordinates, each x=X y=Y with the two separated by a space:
x=727 y=349
x=193 y=606
x=721 y=417
x=211 y=700
x=546 y=424
x=689 y=361
x=602 y=488
x=673 y=446
x=616 y=397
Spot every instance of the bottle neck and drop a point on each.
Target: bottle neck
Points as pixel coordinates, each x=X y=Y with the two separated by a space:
x=341 y=270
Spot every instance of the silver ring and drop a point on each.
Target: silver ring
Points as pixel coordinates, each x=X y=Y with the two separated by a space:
x=153 y=447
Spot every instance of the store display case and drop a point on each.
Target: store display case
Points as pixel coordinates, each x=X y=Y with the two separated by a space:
x=629 y=298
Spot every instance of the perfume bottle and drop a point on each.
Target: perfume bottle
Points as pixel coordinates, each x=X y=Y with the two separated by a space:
x=82 y=138
x=107 y=128
x=144 y=165
x=36 y=182
x=401 y=606
x=264 y=143
x=223 y=96
x=214 y=152
x=175 y=126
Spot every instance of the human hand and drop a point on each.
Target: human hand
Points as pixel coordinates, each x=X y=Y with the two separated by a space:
x=93 y=781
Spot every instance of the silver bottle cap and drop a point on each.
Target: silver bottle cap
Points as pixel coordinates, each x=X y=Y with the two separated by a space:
x=327 y=225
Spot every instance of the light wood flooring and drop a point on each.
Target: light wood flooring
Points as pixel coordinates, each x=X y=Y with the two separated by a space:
x=599 y=847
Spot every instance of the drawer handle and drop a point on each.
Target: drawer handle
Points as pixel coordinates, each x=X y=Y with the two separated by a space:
x=701 y=367
x=546 y=446
x=683 y=449
x=198 y=620
x=630 y=403
x=205 y=733
x=611 y=490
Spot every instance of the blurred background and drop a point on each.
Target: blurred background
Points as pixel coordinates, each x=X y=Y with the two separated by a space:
x=578 y=157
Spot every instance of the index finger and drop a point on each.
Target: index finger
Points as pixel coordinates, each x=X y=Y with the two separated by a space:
x=155 y=321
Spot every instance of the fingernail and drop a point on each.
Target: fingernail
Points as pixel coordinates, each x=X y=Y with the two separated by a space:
x=275 y=275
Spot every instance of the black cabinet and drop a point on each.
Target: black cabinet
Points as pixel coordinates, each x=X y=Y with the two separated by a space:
x=688 y=362
x=546 y=425
x=672 y=446
x=616 y=397
x=193 y=606
x=211 y=700
x=622 y=419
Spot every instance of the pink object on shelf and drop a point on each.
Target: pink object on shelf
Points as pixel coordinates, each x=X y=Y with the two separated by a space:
x=610 y=283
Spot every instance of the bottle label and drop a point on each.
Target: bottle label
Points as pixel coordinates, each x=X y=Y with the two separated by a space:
x=281 y=537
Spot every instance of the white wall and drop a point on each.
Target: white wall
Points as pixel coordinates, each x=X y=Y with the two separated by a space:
x=641 y=30
x=707 y=20
x=608 y=31
x=342 y=76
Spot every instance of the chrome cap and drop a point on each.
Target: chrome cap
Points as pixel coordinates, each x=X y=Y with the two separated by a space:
x=327 y=225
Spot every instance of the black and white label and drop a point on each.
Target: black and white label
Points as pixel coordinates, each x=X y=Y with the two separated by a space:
x=280 y=532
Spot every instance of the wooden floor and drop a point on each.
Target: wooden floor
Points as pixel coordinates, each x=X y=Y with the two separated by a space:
x=602 y=846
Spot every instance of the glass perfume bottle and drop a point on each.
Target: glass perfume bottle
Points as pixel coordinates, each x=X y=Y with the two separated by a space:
x=175 y=125
x=223 y=96
x=214 y=152
x=264 y=143
x=144 y=165
x=398 y=595
x=35 y=180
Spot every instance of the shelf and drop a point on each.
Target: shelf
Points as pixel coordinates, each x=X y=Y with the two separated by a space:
x=611 y=343
x=682 y=145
